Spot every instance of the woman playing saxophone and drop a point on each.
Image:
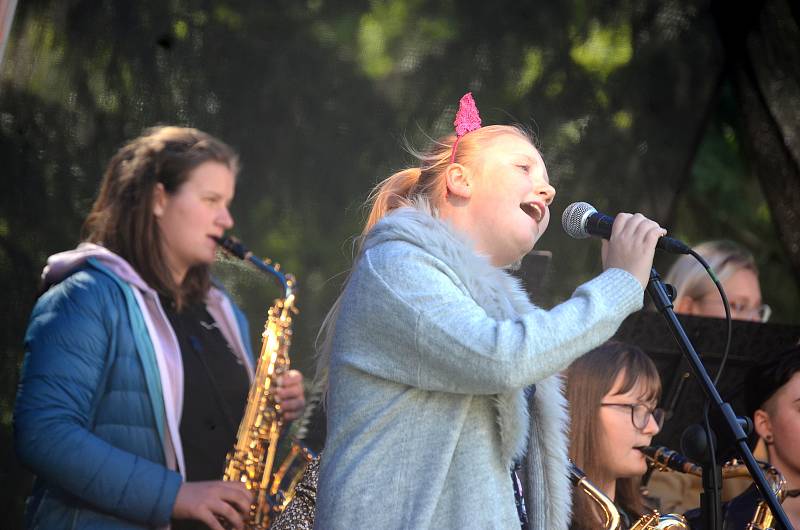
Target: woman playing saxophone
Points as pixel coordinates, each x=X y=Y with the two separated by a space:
x=612 y=392
x=137 y=365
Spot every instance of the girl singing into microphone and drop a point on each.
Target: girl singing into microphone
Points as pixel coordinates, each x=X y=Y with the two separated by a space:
x=432 y=344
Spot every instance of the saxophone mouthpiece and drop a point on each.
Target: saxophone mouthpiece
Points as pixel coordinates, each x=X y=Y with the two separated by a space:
x=664 y=458
x=232 y=245
x=235 y=247
x=649 y=451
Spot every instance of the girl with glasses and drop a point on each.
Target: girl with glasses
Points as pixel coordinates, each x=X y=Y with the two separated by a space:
x=612 y=393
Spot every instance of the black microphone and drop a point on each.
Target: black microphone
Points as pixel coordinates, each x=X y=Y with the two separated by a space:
x=581 y=220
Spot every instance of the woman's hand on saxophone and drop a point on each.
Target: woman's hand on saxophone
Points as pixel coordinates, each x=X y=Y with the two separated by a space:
x=290 y=395
x=213 y=501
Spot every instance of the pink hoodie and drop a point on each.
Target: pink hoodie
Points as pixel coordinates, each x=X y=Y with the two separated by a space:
x=165 y=343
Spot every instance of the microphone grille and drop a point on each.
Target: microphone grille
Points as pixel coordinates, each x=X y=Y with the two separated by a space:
x=574 y=219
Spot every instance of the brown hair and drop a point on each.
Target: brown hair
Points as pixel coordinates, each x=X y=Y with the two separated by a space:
x=589 y=379
x=122 y=218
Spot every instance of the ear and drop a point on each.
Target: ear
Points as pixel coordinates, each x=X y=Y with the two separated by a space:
x=159 y=199
x=459 y=181
x=684 y=305
x=762 y=424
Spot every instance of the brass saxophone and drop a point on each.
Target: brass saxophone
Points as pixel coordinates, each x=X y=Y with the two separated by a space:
x=664 y=459
x=252 y=460
x=610 y=513
x=612 y=519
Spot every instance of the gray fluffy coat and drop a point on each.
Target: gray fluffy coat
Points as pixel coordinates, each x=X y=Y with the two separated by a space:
x=431 y=352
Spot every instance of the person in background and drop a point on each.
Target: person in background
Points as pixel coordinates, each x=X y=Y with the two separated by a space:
x=612 y=392
x=137 y=364
x=736 y=270
x=772 y=396
x=696 y=295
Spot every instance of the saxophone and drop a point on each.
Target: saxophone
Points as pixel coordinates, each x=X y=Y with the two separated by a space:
x=610 y=513
x=663 y=459
x=252 y=460
x=611 y=517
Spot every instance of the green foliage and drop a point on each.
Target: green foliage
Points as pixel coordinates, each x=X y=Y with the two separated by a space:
x=531 y=70
x=604 y=49
x=393 y=34
x=724 y=200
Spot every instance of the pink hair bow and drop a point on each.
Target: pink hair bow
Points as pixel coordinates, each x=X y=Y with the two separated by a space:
x=467 y=120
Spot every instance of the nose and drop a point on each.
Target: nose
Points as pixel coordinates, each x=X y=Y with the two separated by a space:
x=546 y=192
x=225 y=219
x=652 y=427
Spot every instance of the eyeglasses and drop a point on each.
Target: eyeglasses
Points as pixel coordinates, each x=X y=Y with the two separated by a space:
x=640 y=414
x=740 y=310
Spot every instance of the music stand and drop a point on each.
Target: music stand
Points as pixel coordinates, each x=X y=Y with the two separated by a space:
x=682 y=397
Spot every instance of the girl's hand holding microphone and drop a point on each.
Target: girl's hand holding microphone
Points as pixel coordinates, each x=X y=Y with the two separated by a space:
x=632 y=245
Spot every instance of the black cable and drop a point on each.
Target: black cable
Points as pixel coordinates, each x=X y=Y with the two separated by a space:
x=727 y=306
x=711 y=443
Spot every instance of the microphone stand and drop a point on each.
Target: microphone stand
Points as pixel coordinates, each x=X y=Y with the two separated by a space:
x=710 y=504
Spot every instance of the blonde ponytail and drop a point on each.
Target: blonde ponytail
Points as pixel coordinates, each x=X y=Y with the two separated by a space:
x=391 y=193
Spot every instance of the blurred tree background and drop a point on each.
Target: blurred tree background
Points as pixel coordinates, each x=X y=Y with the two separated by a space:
x=685 y=110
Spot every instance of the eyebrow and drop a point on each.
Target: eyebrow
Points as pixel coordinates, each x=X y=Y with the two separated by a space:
x=215 y=195
x=527 y=157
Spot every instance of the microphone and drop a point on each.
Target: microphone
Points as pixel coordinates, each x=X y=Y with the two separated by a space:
x=581 y=220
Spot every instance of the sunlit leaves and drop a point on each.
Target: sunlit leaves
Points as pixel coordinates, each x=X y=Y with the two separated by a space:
x=35 y=59
x=604 y=49
x=531 y=70
x=622 y=119
x=181 y=29
x=227 y=16
x=395 y=35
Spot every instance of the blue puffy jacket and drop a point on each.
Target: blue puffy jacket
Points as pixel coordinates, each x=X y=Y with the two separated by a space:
x=89 y=415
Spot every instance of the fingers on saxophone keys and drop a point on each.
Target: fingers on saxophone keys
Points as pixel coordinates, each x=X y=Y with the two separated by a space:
x=292 y=409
